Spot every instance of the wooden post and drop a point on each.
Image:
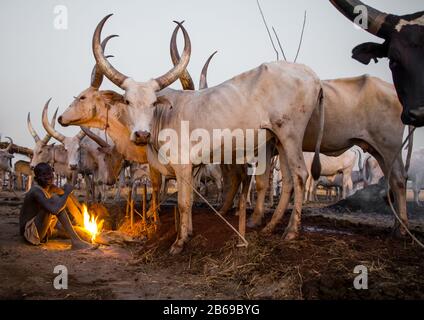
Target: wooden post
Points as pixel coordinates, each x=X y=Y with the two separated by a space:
x=144 y=201
x=129 y=199
x=177 y=220
x=132 y=212
x=133 y=195
x=29 y=184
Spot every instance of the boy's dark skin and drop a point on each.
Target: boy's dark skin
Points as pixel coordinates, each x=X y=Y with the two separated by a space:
x=37 y=204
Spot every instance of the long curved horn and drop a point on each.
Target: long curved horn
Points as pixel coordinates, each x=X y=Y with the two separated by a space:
x=34 y=134
x=103 y=64
x=95 y=137
x=47 y=137
x=96 y=75
x=10 y=144
x=175 y=72
x=376 y=18
x=31 y=129
x=49 y=128
x=203 y=83
x=185 y=78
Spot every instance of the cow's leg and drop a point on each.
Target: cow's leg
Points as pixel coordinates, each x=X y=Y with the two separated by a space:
x=87 y=187
x=119 y=184
x=184 y=183
x=296 y=163
x=261 y=188
x=314 y=190
x=347 y=184
x=287 y=190
x=398 y=186
x=242 y=204
x=307 y=187
x=232 y=179
x=416 y=190
x=217 y=179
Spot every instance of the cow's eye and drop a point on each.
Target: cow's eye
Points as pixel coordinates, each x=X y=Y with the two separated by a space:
x=127 y=102
x=82 y=98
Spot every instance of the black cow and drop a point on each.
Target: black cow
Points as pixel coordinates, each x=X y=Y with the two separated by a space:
x=403 y=45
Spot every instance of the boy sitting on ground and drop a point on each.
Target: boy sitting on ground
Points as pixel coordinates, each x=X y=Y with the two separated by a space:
x=44 y=204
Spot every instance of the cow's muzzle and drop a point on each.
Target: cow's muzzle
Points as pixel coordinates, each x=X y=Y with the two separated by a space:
x=141 y=137
x=60 y=120
x=414 y=117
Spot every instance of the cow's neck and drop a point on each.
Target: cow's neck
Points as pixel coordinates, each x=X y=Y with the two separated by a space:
x=118 y=130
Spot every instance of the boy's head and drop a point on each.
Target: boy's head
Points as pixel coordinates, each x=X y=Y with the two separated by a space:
x=43 y=174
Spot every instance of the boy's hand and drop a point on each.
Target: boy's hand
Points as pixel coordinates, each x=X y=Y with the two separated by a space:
x=68 y=188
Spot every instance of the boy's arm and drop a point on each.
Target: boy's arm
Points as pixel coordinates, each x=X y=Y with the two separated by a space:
x=55 y=189
x=52 y=205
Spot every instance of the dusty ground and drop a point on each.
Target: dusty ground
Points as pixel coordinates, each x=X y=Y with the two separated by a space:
x=317 y=266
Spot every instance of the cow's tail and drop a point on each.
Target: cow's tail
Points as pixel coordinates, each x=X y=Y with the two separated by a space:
x=316 y=164
x=410 y=145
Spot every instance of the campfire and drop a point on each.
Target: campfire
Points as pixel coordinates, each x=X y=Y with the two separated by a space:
x=91 y=225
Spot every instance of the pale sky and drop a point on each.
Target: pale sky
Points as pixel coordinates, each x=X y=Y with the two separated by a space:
x=38 y=61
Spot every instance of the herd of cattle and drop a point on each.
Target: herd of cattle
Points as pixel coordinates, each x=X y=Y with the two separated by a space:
x=311 y=126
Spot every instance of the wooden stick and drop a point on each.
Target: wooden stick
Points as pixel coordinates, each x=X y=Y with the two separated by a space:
x=279 y=43
x=144 y=201
x=267 y=29
x=301 y=37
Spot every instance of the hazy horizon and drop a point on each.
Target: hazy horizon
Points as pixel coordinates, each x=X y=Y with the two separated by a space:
x=38 y=61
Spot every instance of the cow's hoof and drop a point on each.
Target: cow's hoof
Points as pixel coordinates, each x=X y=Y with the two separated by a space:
x=176 y=248
x=267 y=231
x=398 y=232
x=252 y=223
x=290 y=235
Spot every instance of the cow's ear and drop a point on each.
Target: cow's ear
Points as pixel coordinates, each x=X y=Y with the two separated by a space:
x=112 y=97
x=162 y=101
x=369 y=50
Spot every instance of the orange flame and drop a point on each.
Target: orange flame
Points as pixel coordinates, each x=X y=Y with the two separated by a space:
x=90 y=223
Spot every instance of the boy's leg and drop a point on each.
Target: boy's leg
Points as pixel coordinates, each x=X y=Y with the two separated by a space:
x=75 y=209
x=76 y=241
x=42 y=222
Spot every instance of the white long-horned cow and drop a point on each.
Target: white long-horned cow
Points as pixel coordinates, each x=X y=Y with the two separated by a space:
x=329 y=183
x=41 y=152
x=331 y=166
x=280 y=97
x=55 y=155
x=73 y=145
x=107 y=110
x=363 y=111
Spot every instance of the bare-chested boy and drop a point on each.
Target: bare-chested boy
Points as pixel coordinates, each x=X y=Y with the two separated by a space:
x=44 y=204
